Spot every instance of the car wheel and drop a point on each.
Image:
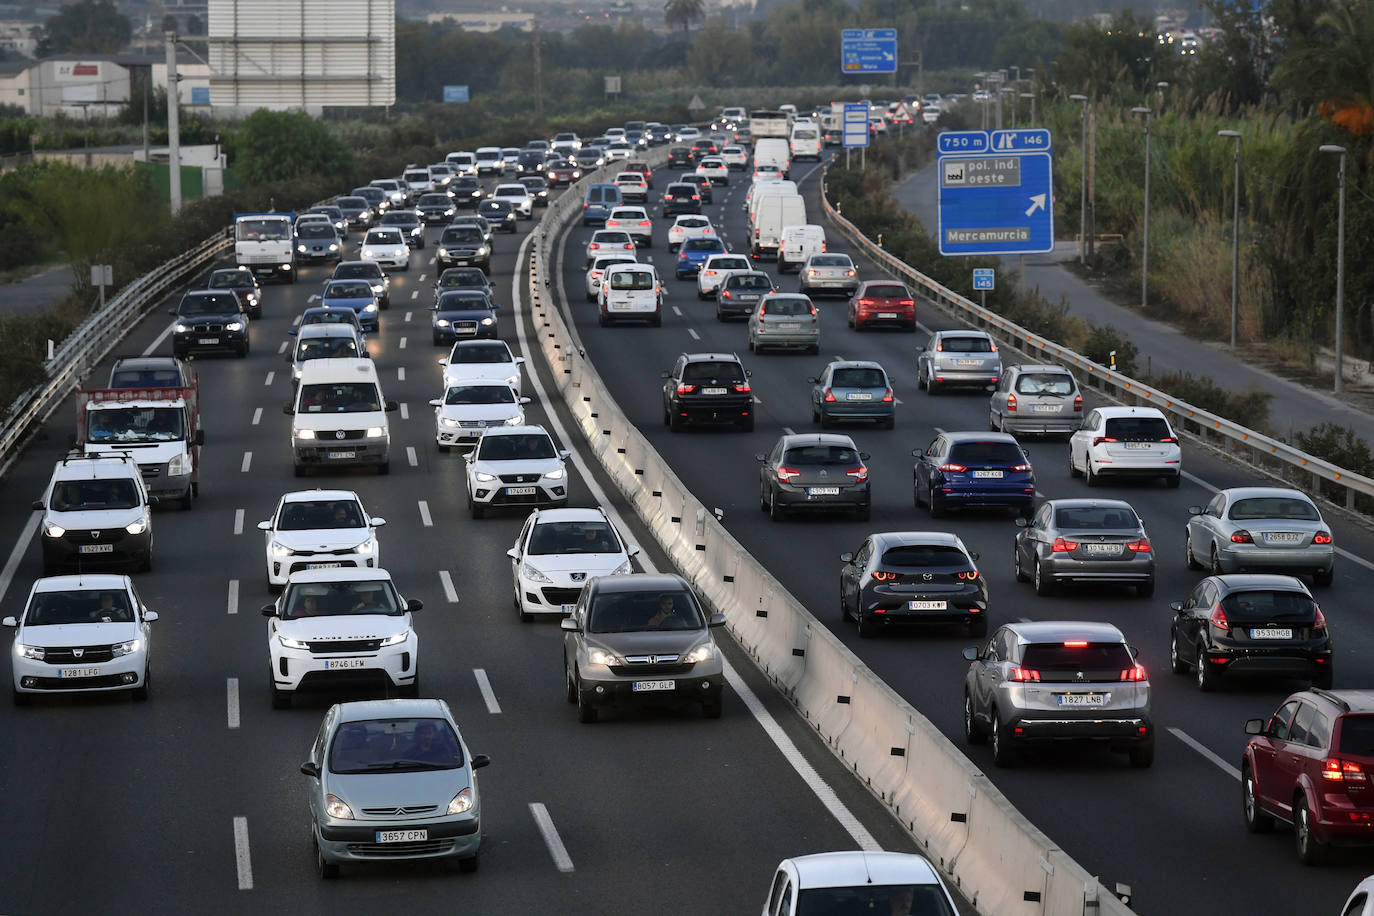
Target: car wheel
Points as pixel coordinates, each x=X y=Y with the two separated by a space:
x=1017 y=573
x=586 y=712
x=992 y=422
x=1088 y=472
x=1257 y=820
x=469 y=864
x=1207 y=677
x=281 y=699
x=569 y=685
x=1044 y=585
x=821 y=417
x=1176 y=660
x=1215 y=568
x=931 y=388
x=1173 y=481
x=674 y=421
x=327 y=870
x=1000 y=737
x=1323 y=577
x=973 y=733
x=1311 y=851
x=868 y=625
x=1146 y=589
x=763 y=497
x=140 y=692
x=1188 y=550
x=775 y=511
x=476 y=509
x=1143 y=755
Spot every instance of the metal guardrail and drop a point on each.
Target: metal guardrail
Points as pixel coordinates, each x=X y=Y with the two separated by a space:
x=93 y=340
x=1266 y=453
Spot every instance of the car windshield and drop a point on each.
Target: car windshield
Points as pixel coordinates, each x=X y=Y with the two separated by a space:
x=330 y=316
x=326 y=348
x=756 y=281
x=1138 y=428
x=1274 y=507
x=789 y=307
x=315 y=514
x=693 y=222
x=340 y=397
x=1107 y=517
x=572 y=537
x=231 y=279
x=858 y=378
x=915 y=899
x=919 y=555
x=416 y=176
x=340 y=599
x=999 y=453
x=212 y=304
x=351 y=203
x=702 y=245
x=516 y=447
x=79 y=495
x=461 y=234
x=630 y=612
x=462 y=300
x=463 y=276
x=314 y=230
x=384 y=237
x=815 y=455
x=405 y=218
x=262 y=230
x=965 y=345
x=707 y=370
x=1080 y=656
x=127 y=423
x=64 y=608
x=830 y=260
x=145 y=378
x=357 y=271
x=479 y=394
x=480 y=353
x=348 y=290
x=1268 y=605
x=631 y=279
x=391 y=745
x=614 y=237
x=1044 y=383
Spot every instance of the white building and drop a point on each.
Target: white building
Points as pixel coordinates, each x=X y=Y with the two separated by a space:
x=95 y=86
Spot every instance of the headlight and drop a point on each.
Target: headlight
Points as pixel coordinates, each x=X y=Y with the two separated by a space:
x=370 y=307
x=336 y=808
x=476 y=194
x=577 y=173
x=602 y=657
x=128 y=647
x=441 y=322
x=137 y=527
x=448 y=211
x=487 y=322
x=449 y=423
x=515 y=421
x=301 y=249
x=303 y=433
x=181 y=328
x=555 y=474
x=234 y=326
x=622 y=569
x=377 y=288
x=292 y=643
x=397 y=638
x=177 y=466
x=700 y=654
x=442 y=252
x=483 y=477
x=33 y=652
x=369 y=253
x=535 y=575
x=280 y=551
x=252 y=298
x=483 y=251
x=461 y=803
x=333 y=246
x=54 y=531
x=375 y=432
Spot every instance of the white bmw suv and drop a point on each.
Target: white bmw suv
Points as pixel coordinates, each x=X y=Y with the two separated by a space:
x=341 y=627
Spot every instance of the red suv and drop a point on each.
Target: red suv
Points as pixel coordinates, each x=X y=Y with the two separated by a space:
x=643 y=169
x=1310 y=766
x=882 y=302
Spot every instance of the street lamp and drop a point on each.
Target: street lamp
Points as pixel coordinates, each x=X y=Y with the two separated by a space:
x=1340 y=261
x=1083 y=184
x=1145 y=245
x=1235 y=237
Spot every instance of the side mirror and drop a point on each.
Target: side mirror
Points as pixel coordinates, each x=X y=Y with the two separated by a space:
x=38 y=504
x=414 y=604
x=918 y=453
x=292 y=332
x=524 y=401
x=378 y=522
x=9 y=622
x=571 y=625
x=150 y=616
x=200 y=437
x=972 y=654
x=717 y=620
x=1021 y=522
x=443 y=360
x=310 y=769
x=513 y=554
x=632 y=550
x=434 y=308
x=1252 y=726
x=865 y=455
x=152 y=500
x=436 y=403
x=1177 y=606
x=846 y=558
x=288 y=409
x=520 y=360
x=1025 y=452
x=760 y=456
x=392 y=406
x=748 y=373
x=1196 y=510
x=479 y=760
x=172 y=312
x=974 y=554
x=265 y=526
x=269 y=610
x=564 y=453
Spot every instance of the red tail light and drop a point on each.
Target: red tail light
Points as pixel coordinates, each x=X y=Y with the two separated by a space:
x=939 y=348
x=1021 y=468
x=1140 y=546
x=887 y=397
x=829 y=395
x=644 y=222
x=1336 y=770
x=1170 y=440
x=725 y=294
x=1319 y=621
x=811 y=273
x=1020 y=674
x=1061 y=545
x=1242 y=537
x=1218 y=620
x=1135 y=673
x=786 y=474
x=994 y=347
x=696 y=197
x=686 y=389
x=968 y=576
x=868 y=302
x=1321 y=537
x=1075 y=644
x=742 y=389
x=882 y=576
x=860 y=474
x=1011 y=403
x=851 y=273
x=951 y=467
x=1098 y=440
x=1078 y=403
x=907 y=302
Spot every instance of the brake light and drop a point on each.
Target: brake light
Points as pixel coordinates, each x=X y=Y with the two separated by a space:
x=1011 y=403
x=1321 y=537
x=1336 y=770
x=887 y=397
x=682 y=255
x=1170 y=440
x=1022 y=468
x=907 y=302
x=939 y=348
x=1140 y=546
x=1062 y=545
x=1218 y=619
x=725 y=294
x=742 y=389
x=829 y=395
x=1242 y=537
x=968 y=576
x=1022 y=675
x=696 y=197
x=811 y=273
x=868 y=302
x=686 y=389
x=1078 y=403
x=860 y=473
x=1075 y=644
x=951 y=467
x=1319 y=621
x=1098 y=440
x=644 y=222
x=786 y=474
x=1134 y=673
x=851 y=273
x=594 y=245
x=882 y=576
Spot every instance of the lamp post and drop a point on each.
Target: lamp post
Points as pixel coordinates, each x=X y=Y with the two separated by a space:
x=1235 y=236
x=1145 y=245
x=1083 y=183
x=1340 y=262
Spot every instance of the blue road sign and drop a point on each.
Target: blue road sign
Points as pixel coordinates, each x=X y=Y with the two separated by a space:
x=995 y=199
x=855 y=125
x=455 y=93
x=984 y=278
x=868 y=50
x=200 y=95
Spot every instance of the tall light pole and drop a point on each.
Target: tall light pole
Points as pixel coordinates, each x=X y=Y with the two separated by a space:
x=173 y=127
x=1340 y=263
x=1235 y=237
x=1145 y=245
x=1083 y=184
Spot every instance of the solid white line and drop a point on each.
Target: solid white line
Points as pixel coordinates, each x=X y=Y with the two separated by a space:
x=1200 y=482
x=424 y=515
x=488 y=695
x=17 y=554
x=561 y=859
x=1205 y=752
x=405 y=411
x=233 y=596
x=233 y=702
x=446 y=581
x=271 y=376
x=157 y=341
x=693 y=333
x=411 y=458
x=402 y=344
x=408 y=314
x=401 y=373
x=242 y=858
x=238 y=521
x=282 y=348
x=257 y=416
x=247 y=462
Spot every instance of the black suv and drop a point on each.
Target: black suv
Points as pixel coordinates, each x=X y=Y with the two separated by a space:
x=463 y=246
x=466 y=190
x=680 y=157
x=680 y=197
x=209 y=319
x=708 y=388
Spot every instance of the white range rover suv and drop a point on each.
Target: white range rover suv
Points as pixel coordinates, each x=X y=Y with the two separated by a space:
x=341 y=627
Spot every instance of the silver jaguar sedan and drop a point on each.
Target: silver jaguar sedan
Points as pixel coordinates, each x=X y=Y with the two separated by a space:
x=1261 y=528
x=1084 y=540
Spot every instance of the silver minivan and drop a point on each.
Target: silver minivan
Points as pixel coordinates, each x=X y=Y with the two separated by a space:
x=1036 y=398
x=785 y=320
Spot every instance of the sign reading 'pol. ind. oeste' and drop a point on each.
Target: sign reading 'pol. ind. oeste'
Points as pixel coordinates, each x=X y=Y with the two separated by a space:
x=995 y=192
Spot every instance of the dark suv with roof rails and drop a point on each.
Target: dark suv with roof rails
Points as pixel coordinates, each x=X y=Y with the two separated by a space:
x=708 y=388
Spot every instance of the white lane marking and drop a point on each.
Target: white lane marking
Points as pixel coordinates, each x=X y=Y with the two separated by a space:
x=446 y=581
x=232 y=697
x=415 y=294
x=402 y=344
x=788 y=430
x=411 y=458
x=561 y=860
x=401 y=373
x=233 y=603
x=408 y=314
x=238 y=521
x=770 y=726
x=896 y=400
x=157 y=341
x=247 y=462
x=17 y=554
x=271 y=376
x=257 y=416
x=420 y=279
x=677 y=311
x=694 y=334
x=282 y=348
x=488 y=695
x=242 y=858
x=424 y=515
x=405 y=411
x=1354 y=559
x=1187 y=739
x=1024 y=619
x=432 y=260
x=296 y=322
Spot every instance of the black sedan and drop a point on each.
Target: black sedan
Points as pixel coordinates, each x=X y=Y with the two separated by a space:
x=434 y=209
x=467 y=191
x=465 y=278
x=916 y=577
x=811 y=472
x=1084 y=540
x=463 y=314
x=463 y=246
x=500 y=213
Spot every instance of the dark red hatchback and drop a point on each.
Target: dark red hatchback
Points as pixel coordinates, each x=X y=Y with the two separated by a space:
x=879 y=303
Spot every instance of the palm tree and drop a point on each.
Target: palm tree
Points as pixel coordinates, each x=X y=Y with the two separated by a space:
x=1335 y=71
x=683 y=12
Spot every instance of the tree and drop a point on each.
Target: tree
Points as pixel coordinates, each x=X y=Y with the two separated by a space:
x=683 y=12
x=85 y=27
x=281 y=145
x=1334 y=70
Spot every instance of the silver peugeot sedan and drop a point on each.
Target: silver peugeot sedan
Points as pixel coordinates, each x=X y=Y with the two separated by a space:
x=1036 y=398
x=1084 y=540
x=1261 y=528
x=951 y=359
x=393 y=779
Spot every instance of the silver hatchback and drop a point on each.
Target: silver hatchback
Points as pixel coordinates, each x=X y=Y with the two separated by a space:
x=1261 y=528
x=1036 y=398
x=829 y=273
x=958 y=359
x=785 y=320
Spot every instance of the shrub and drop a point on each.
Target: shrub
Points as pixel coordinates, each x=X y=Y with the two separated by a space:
x=1100 y=343
x=1343 y=447
x=1249 y=408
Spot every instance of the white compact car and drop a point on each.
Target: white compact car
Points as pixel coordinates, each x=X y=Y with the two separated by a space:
x=635 y=222
x=469 y=407
x=597 y=271
x=606 y=241
x=713 y=272
x=319 y=529
x=558 y=552
x=518 y=196
x=715 y=169
x=1125 y=442
x=387 y=247
x=515 y=466
x=632 y=186
x=341 y=627
x=482 y=359
x=81 y=633
x=735 y=158
x=689 y=226
x=857 y=882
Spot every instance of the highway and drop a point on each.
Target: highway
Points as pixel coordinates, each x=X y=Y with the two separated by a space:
x=194 y=799
x=1173 y=832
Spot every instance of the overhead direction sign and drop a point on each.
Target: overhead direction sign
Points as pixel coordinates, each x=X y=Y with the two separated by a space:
x=995 y=192
x=855 y=125
x=868 y=50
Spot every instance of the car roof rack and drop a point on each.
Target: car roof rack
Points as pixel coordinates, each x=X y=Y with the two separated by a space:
x=1331 y=698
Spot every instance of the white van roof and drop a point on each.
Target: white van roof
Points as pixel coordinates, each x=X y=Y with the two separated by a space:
x=327 y=371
